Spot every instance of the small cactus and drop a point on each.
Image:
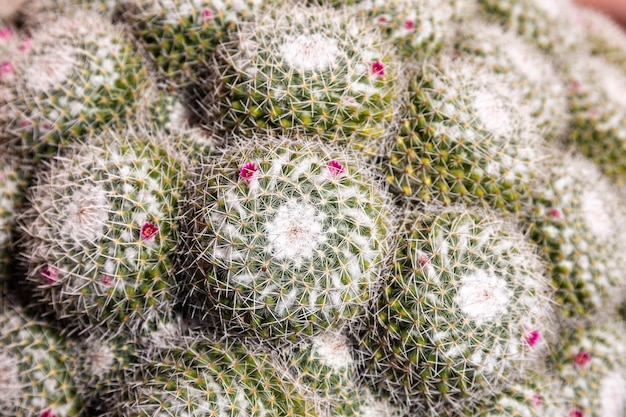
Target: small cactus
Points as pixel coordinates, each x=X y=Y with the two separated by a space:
x=284 y=238
x=181 y=36
x=202 y=377
x=313 y=70
x=591 y=363
x=78 y=75
x=102 y=231
x=466 y=309
x=416 y=28
x=578 y=223
x=597 y=101
x=467 y=137
x=36 y=378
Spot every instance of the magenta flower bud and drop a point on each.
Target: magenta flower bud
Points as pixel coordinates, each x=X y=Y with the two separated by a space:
x=148 y=231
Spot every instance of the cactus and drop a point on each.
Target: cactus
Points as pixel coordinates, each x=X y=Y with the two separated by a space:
x=537 y=394
x=35 y=373
x=417 y=28
x=102 y=231
x=285 y=238
x=465 y=140
x=205 y=378
x=367 y=208
x=597 y=105
x=545 y=24
x=71 y=83
x=578 y=222
x=13 y=180
x=463 y=313
x=181 y=36
x=523 y=66
x=314 y=70
x=591 y=363
x=101 y=366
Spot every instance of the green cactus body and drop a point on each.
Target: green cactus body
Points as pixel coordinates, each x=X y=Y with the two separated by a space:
x=598 y=109
x=102 y=365
x=314 y=70
x=324 y=369
x=181 y=36
x=546 y=24
x=592 y=365
x=167 y=113
x=102 y=231
x=13 y=182
x=530 y=72
x=417 y=28
x=465 y=311
x=578 y=222
x=285 y=238
x=605 y=37
x=78 y=76
x=466 y=137
x=204 y=378
x=538 y=393
x=36 y=378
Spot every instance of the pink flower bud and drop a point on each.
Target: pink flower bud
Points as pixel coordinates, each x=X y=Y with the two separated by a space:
x=378 y=68
x=532 y=338
x=50 y=274
x=5 y=68
x=335 y=168
x=248 y=172
x=582 y=358
x=5 y=33
x=148 y=231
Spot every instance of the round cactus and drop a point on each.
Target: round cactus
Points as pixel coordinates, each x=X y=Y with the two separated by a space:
x=182 y=35
x=591 y=361
x=466 y=309
x=284 y=238
x=101 y=364
x=537 y=394
x=417 y=29
x=36 y=378
x=101 y=232
x=578 y=222
x=78 y=75
x=467 y=137
x=598 y=106
x=324 y=369
x=13 y=181
x=201 y=377
x=315 y=70
x=546 y=24
x=531 y=73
